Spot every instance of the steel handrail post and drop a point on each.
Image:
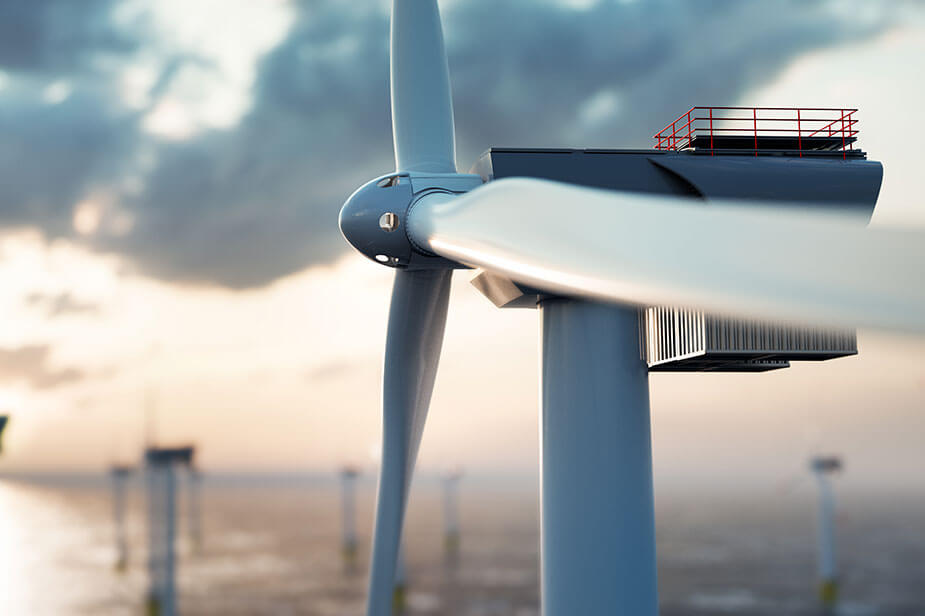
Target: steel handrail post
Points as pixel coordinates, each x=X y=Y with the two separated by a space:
x=712 y=151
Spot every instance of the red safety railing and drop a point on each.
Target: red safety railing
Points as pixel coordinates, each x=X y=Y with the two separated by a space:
x=806 y=124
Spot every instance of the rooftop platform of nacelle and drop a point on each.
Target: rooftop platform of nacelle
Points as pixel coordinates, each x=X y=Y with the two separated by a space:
x=779 y=145
x=764 y=131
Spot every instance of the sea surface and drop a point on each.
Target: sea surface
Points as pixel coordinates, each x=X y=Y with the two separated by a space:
x=271 y=545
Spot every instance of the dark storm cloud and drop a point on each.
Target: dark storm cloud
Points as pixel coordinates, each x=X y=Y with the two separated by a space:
x=30 y=364
x=52 y=154
x=522 y=76
x=243 y=206
x=55 y=36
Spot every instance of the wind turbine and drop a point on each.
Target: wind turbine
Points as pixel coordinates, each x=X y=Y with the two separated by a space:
x=451 y=513
x=822 y=467
x=161 y=465
x=4 y=420
x=348 y=481
x=592 y=259
x=120 y=473
x=194 y=506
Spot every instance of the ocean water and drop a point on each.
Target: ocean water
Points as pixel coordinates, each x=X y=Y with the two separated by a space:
x=271 y=545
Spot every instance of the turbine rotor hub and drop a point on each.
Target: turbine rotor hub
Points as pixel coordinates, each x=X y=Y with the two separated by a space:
x=374 y=218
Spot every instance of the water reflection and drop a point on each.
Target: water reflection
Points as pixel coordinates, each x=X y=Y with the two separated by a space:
x=275 y=547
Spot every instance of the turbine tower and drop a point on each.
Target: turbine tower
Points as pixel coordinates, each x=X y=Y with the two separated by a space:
x=630 y=272
x=194 y=506
x=451 y=540
x=161 y=464
x=822 y=467
x=120 y=474
x=348 y=481
x=4 y=420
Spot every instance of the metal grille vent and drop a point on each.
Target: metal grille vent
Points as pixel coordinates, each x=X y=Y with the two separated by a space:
x=679 y=339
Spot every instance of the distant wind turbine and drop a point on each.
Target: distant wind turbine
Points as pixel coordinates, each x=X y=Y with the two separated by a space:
x=451 y=538
x=349 y=548
x=4 y=420
x=119 y=474
x=194 y=506
x=822 y=467
x=161 y=465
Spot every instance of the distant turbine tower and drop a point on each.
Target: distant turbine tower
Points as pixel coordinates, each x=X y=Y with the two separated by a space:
x=194 y=506
x=160 y=465
x=451 y=513
x=4 y=420
x=120 y=474
x=348 y=480
x=822 y=467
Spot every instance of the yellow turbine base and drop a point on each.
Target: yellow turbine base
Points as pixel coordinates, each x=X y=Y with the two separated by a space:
x=828 y=592
x=399 y=596
x=349 y=552
x=451 y=543
x=152 y=607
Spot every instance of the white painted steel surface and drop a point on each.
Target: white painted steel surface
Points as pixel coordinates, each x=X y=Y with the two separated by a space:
x=598 y=527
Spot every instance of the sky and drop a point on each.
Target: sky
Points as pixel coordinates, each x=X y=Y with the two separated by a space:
x=171 y=263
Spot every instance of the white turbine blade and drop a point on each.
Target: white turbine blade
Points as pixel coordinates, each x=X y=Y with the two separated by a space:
x=422 y=105
x=737 y=258
x=417 y=318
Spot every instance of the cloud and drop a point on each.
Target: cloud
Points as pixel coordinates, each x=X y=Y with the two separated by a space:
x=58 y=36
x=241 y=184
x=61 y=304
x=30 y=364
x=333 y=370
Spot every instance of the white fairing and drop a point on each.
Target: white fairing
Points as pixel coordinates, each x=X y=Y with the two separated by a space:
x=735 y=258
x=422 y=106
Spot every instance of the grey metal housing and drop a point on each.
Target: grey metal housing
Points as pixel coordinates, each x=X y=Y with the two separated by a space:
x=682 y=340
x=827 y=182
x=673 y=339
